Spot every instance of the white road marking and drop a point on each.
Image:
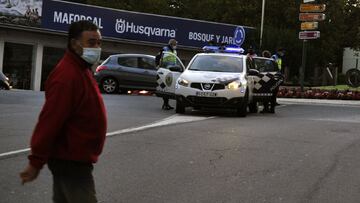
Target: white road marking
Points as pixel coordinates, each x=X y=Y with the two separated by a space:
x=175 y=119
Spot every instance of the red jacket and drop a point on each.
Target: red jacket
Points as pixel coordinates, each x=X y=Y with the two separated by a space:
x=72 y=123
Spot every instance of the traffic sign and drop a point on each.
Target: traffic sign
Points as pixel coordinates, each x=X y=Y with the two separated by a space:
x=311 y=16
x=312 y=7
x=309 y=25
x=309 y=35
x=307 y=1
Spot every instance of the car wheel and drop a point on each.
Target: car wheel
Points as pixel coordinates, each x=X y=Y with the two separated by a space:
x=3 y=87
x=253 y=107
x=109 y=85
x=180 y=108
x=242 y=109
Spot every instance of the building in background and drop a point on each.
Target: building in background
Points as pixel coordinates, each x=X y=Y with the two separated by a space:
x=33 y=35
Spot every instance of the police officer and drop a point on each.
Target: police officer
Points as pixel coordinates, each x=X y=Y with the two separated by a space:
x=171 y=47
x=266 y=104
x=278 y=57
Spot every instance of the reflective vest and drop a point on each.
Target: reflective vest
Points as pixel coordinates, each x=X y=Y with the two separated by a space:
x=278 y=60
x=169 y=57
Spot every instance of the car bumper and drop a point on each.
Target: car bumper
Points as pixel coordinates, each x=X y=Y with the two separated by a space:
x=224 y=98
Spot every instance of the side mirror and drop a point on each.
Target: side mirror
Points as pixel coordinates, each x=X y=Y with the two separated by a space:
x=253 y=72
x=175 y=69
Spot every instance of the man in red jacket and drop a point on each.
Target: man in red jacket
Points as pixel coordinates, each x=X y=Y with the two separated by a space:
x=71 y=129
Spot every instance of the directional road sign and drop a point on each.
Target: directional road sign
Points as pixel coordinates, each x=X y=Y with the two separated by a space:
x=311 y=16
x=309 y=35
x=309 y=25
x=312 y=7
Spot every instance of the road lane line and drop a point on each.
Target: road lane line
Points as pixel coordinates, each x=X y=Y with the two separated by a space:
x=175 y=119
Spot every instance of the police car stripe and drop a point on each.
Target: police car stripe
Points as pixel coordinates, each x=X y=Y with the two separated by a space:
x=263 y=94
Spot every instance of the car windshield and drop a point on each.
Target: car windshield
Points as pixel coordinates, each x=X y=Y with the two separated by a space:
x=265 y=65
x=216 y=63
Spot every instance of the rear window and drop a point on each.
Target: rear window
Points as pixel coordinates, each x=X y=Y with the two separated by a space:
x=128 y=61
x=147 y=63
x=265 y=65
x=215 y=63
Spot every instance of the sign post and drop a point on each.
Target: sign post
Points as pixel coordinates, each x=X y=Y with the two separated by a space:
x=310 y=14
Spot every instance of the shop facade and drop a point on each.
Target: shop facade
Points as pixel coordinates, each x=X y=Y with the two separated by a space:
x=33 y=35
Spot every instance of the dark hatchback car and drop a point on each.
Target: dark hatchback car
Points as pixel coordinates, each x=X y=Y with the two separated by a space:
x=4 y=82
x=123 y=72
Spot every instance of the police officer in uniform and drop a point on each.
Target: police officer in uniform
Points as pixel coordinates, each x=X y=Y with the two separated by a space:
x=171 y=47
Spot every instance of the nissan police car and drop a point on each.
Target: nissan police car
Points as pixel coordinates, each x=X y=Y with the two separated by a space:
x=218 y=79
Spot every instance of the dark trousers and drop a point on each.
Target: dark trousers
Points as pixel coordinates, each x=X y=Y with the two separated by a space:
x=73 y=181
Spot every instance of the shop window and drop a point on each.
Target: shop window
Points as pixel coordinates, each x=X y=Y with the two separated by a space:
x=18 y=64
x=51 y=58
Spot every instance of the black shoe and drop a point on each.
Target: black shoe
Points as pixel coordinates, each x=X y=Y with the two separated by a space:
x=264 y=111
x=272 y=111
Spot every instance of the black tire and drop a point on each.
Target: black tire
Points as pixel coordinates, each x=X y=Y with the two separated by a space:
x=180 y=107
x=3 y=86
x=353 y=77
x=109 y=85
x=253 y=107
x=242 y=109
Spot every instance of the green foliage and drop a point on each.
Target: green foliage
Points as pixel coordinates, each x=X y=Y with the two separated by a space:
x=340 y=29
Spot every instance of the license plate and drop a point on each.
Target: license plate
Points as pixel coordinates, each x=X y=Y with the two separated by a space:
x=206 y=94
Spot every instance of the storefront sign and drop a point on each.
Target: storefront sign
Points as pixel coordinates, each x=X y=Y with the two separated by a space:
x=119 y=24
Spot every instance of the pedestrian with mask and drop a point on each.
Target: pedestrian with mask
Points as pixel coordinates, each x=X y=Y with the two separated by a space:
x=170 y=47
x=70 y=133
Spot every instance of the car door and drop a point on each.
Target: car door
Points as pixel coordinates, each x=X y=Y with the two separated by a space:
x=167 y=76
x=130 y=74
x=147 y=63
x=268 y=79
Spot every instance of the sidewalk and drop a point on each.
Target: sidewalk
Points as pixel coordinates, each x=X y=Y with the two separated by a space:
x=319 y=101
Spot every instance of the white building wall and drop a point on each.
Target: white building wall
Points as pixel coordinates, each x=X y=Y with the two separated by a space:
x=349 y=59
x=37 y=67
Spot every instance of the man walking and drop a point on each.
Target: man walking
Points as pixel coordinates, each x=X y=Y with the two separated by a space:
x=71 y=129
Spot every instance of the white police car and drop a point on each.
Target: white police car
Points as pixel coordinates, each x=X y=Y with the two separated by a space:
x=218 y=80
x=215 y=80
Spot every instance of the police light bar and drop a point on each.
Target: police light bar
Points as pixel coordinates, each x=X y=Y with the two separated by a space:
x=237 y=50
x=223 y=49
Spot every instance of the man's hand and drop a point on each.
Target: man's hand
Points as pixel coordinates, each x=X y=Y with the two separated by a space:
x=29 y=174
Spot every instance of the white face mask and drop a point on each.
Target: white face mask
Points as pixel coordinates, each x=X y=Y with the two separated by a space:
x=91 y=55
x=174 y=47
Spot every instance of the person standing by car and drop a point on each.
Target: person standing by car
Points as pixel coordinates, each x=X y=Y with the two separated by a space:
x=278 y=57
x=71 y=130
x=171 y=47
x=266 y=54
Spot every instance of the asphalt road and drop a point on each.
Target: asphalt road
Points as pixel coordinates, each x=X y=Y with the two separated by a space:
x=303 y=153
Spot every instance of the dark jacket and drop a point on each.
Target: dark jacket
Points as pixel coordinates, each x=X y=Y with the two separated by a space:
x=72 y=123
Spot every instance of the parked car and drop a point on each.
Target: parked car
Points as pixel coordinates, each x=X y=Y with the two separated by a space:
x=123 y=72
x=4 y=82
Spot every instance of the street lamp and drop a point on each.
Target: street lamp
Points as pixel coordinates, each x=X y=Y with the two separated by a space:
x=262 y=21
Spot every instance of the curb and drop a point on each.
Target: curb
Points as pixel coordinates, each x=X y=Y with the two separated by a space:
x=319 y=102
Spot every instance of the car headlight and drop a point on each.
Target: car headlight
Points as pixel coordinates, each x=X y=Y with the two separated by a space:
x=234 y=85
x=183 y=82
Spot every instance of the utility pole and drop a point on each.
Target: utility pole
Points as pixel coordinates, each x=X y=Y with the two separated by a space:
x=262 y=22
